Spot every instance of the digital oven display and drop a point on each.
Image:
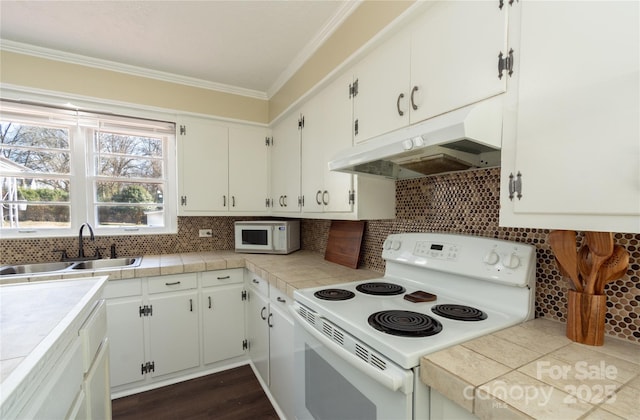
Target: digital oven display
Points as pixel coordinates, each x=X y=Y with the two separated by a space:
x=437 y=247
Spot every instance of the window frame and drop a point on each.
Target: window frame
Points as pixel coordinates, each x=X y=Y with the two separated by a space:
x=83 y=202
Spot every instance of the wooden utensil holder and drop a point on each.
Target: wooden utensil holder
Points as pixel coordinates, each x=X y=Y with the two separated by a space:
x=585 y=318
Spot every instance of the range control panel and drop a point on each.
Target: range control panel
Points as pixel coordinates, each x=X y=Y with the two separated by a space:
x=485 y=258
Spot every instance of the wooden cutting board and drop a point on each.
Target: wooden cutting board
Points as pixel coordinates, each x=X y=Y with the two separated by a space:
x=343 y=245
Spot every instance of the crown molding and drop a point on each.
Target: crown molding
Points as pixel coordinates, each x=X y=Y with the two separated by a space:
x=51 y=54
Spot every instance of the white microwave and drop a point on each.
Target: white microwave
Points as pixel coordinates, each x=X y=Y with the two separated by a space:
x=267 y=237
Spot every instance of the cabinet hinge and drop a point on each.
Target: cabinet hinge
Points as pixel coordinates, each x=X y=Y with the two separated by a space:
x=267 y=202
x=515 y=185
x=355 y=127
x=501 y=3
x=505 y=63
x=352 y=197
x=268 y=141
x=146 y=310
x=301 y=122
x=147 y=367
x=183 y=130
x=183 y=200
x=353 y=89
x=243 y=295
x=245 y=345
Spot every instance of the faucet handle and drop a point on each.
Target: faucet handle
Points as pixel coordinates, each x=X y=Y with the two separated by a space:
x=64 y=255
x=98 y=253
x=113 y=251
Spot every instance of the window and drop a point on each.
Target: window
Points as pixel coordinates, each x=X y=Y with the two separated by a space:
x=61 y=168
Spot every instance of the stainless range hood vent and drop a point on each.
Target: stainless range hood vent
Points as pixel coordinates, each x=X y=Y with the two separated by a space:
x=469 y=137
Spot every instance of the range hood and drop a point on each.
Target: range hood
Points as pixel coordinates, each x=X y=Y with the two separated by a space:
x=468 y=137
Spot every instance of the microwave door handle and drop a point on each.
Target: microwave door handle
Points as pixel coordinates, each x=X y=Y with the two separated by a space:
x=273 y=242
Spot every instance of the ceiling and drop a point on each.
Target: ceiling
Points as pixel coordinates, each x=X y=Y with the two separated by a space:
x=246 y=47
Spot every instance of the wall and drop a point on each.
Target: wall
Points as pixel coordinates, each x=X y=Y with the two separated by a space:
x=463 y=202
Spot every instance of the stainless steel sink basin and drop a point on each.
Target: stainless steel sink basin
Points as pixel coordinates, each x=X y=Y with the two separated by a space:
x=34 y=268
x=106 y=264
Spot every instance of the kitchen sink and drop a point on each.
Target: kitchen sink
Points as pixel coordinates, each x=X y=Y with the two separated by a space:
x=54 y=267
x=106 y=264
x=34 y=268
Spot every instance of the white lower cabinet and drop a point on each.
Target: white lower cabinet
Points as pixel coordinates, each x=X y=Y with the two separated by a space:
x=270 y=339
x=281 y=352
x=163 y=328
x=257 y=328
x=222 y=314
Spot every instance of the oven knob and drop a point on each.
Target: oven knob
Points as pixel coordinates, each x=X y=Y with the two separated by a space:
x=395 y=245
x=491 y=258
x=512 y=261
x=386 y=244
x=407 y=144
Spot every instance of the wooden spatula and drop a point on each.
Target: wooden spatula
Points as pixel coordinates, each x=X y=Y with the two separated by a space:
x=563 y=245
x=601 y=246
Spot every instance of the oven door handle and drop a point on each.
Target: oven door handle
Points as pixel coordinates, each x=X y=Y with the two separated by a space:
x=394 y=378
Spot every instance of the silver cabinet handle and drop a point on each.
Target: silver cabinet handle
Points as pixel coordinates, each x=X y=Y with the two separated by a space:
x=284 y=200
x=190 y=305
x=209 y=302
x=325 y=197
x=233 y=201
x=172 y=284
x=255 y=281
x=264 y=308
x=224 y=201
x=269 y=321
x=400 y=112
x=318 y=197
x=224 y=277
x=413 y=103
x=279 y=299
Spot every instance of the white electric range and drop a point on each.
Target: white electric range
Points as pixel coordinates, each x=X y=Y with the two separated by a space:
x=358 y=344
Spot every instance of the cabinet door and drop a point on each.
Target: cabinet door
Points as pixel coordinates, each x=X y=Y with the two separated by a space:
x=96 y=385
x=285 y=165
x=248 y=169
x=575 y=141
x=258 y=333
x=223 y=322
x=313 y=156
x=383 y=83
x=203 y=158
x=125 y=330
x=281 y=357
x=454 y=55
x=173 y=332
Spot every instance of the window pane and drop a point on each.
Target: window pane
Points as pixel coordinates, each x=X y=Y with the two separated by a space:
x=125 y=156
x=35 y=216
x=27 y=148
x=131 y=215
x=121 y=192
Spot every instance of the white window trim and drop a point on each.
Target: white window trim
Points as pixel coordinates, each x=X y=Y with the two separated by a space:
x=83 y=213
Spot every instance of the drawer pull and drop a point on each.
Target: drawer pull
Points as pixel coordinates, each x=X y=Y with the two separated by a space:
x=281 y=300
x=264 y=308
x=224 y=277
x=191 y=305
x=209 y=302
x=255 y=281
x=172 y=284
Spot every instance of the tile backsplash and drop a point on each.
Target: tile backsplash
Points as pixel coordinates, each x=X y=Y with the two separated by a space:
x=464 y=202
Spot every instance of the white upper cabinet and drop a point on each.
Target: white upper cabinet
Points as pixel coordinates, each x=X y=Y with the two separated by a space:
x=222 y=168
x=285 y=165
x=455 y=47
x=203 y=166
x=571 y=147
x=248 y=170
x=326 y=130
x=443 y=60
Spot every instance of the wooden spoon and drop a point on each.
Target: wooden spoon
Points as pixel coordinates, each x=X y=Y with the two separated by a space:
x=613 y=268
x=563 y=245
x=584 y=263
x=601 y=246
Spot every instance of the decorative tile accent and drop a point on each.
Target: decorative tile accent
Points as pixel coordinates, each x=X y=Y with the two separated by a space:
x=463 y=202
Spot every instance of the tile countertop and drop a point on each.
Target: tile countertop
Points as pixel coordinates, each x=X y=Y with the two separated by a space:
x=38 y=321
x=534 y=371
x=298 y=270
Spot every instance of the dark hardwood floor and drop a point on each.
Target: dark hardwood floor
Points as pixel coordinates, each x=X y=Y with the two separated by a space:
x=230 y=395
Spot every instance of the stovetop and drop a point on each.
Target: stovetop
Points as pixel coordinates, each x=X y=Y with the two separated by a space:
x=415 y=263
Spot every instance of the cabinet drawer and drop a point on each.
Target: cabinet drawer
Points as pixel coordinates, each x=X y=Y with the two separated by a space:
x=278 y=298
x=163 y=284
x=258 y=283
x=92 y=334
x=220 y=277
x=123 y=288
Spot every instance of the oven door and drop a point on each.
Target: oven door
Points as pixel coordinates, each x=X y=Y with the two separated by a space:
x=332 y=383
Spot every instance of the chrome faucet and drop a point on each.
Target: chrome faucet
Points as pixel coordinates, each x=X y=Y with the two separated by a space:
x=80 y=245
